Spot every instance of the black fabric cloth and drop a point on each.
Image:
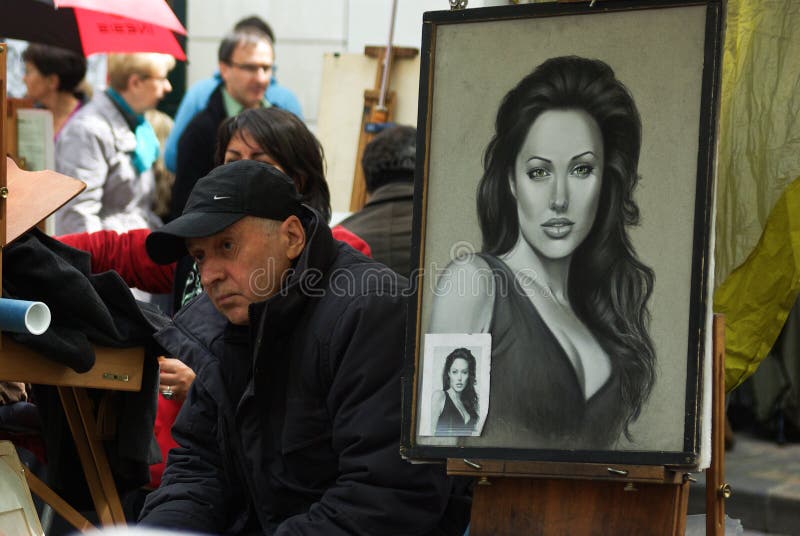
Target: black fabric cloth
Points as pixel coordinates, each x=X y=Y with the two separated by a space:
x=196 y=151
x=535 y=397
x=292 y=425
x=385 y=224
x=86 y=309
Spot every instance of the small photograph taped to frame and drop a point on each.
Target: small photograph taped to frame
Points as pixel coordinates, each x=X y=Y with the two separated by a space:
x=455 y=384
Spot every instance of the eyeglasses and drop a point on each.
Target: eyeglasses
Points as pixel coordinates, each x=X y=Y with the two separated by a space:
x=160 y=79
x=252 y=68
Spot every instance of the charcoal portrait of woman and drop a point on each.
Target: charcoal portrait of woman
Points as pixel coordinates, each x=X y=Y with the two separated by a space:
x=557 y=282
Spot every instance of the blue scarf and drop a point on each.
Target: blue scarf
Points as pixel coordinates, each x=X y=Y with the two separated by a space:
x=147 y=145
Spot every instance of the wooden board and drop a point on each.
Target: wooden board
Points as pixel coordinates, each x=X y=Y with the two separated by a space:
x=33 y=196
x=119 y=369
x=587 y=471
x=577 y=507
x=345 y=77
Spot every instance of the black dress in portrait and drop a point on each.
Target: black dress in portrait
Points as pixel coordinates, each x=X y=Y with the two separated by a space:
x=536 y=400
x=451 y=423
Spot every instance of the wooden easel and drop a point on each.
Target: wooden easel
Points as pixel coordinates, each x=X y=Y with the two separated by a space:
x=518 y=497
x=377 y=110
x=378 y=106
x=25 y=199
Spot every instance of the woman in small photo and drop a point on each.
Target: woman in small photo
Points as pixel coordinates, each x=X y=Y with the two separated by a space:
x=558 y=284
x=455 y=407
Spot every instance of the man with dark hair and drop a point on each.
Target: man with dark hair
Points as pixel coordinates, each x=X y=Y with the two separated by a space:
x=385 y=221
x=292 y=423
x=245 y=65
x=196 y=97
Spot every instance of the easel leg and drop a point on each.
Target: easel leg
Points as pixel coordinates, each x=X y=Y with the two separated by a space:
x=72 y=516
x=715 y=474
x=80 y=417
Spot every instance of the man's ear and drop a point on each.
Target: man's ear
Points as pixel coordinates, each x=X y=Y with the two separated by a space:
x=294 y=234
x=224 y=69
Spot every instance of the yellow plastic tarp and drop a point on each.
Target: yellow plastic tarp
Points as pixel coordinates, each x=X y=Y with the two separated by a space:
x=758 y=158
x=759 y=125
x=757 y=296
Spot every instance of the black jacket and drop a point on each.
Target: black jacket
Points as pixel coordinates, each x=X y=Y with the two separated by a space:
x=385 y=224
x=292 y=426
x=196 y=148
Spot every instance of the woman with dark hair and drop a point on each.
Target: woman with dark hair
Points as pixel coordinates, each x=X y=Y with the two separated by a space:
x=455 y=407
x=560 y=287
x=279 y=138
x=52 y=77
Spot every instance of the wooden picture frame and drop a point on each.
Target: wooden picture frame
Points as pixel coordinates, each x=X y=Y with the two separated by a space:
x=667 y=58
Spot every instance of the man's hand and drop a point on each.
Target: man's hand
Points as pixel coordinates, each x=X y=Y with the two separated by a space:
x=175 y=378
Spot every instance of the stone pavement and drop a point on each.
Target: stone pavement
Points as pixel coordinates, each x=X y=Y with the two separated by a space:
x=765 y=478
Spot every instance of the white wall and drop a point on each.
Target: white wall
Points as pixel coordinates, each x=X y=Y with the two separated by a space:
x=304 y=31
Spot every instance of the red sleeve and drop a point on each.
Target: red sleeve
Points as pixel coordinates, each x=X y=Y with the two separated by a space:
x=348 y=237
x=125 y=253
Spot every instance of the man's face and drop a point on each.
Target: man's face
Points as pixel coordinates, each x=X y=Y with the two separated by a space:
x=246 y=262
x=248 y=73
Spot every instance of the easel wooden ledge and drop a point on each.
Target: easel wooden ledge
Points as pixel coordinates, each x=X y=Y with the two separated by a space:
x=521 y=497
x=26 y=199
x=372 y=113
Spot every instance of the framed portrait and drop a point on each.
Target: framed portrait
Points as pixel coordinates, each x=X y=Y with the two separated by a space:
x=563 y=216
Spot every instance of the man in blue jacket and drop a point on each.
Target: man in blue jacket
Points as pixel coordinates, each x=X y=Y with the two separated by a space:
x=196 y=97
x=292 y=423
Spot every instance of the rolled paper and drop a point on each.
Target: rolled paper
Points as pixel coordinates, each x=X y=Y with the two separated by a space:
x=22 y=316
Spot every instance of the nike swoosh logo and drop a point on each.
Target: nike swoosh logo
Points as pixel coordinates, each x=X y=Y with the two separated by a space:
x=218 y=197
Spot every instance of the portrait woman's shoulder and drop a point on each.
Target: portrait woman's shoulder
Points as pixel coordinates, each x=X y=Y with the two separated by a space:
x=463 y=299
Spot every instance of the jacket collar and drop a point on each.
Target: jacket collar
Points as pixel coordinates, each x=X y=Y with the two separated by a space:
x=394 y=191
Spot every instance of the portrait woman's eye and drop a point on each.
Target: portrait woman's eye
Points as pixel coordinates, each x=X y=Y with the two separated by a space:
x=538 y=173
x=231 y=158
x=582 y=170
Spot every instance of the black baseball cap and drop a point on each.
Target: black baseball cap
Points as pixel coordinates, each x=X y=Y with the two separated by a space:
x=220 y=199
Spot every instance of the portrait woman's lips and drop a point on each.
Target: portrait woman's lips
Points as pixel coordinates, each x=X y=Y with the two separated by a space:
x=557 y=227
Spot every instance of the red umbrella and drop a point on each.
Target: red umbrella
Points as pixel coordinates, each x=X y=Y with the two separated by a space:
x=89 y=26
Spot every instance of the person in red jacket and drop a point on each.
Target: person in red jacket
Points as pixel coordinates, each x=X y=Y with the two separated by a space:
x=269 y=135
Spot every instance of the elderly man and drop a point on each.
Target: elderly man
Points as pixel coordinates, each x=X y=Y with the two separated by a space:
x=245 y=65
x=110 y=146
x=292 y=424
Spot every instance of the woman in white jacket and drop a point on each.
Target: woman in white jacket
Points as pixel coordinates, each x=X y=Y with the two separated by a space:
x=110 y=146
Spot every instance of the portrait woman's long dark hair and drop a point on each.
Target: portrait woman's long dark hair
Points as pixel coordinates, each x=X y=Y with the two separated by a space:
x=285 y=138
x=608 y=286
x=469 y=397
